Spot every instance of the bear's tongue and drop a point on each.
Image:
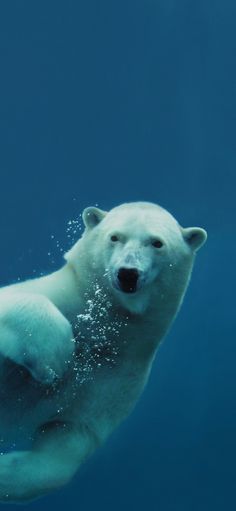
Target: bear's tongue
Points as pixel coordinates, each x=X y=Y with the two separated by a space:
x=128 y=285
x=128 y=288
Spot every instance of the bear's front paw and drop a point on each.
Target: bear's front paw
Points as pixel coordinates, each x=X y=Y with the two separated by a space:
x=40 y=371
x=34 y=334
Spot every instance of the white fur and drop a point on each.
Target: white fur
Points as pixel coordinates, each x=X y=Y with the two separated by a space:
x=76 y=350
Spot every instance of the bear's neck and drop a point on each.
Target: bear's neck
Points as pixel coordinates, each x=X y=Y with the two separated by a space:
x=96 y=314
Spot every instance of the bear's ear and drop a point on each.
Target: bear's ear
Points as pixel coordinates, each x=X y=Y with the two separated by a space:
x=194 y=236
x=92 y=216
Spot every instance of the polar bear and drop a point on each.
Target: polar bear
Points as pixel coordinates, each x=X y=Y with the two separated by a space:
x=77 y=346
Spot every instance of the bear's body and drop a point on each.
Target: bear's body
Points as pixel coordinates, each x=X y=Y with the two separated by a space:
x=76 y=347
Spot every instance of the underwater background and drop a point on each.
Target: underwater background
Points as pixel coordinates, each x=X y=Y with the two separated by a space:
x=104 y=102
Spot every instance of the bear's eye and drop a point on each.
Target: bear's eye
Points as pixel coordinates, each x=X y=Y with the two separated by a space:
x=157 y=243
x=114 y=238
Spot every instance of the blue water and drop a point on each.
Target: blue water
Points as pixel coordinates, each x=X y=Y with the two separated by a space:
x=106 y=102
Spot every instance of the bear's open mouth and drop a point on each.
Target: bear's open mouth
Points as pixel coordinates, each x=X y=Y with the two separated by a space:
x=128 y=279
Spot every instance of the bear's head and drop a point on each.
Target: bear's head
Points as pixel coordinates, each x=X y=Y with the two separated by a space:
x=136 y=251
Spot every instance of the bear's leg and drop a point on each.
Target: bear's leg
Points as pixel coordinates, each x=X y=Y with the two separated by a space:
x=55 y=457
x=34 y=334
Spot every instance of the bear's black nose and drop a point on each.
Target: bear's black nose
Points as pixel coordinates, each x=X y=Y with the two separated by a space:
x=128 y=278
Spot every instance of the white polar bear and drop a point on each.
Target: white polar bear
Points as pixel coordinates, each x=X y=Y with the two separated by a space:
x=76 y=346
